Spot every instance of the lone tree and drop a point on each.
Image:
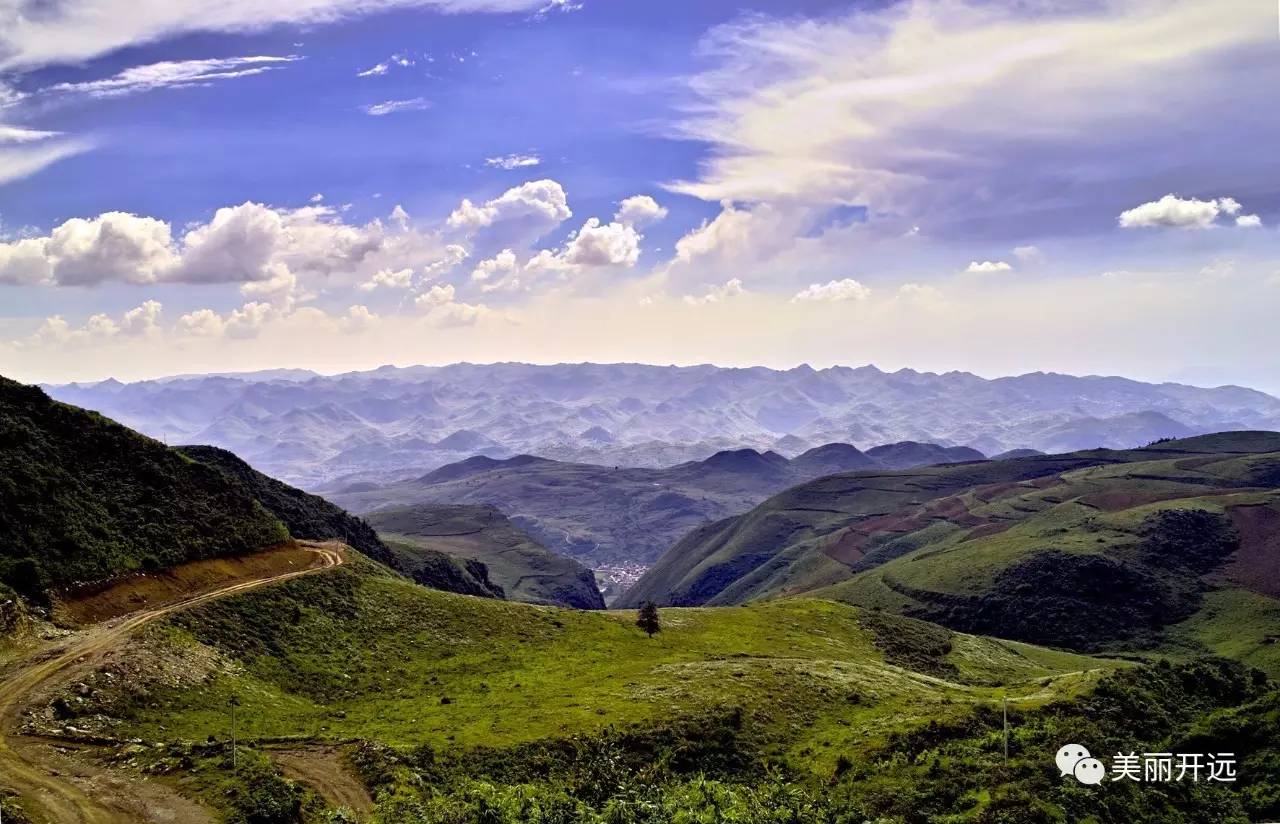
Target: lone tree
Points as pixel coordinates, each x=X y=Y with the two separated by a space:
x=647 y=620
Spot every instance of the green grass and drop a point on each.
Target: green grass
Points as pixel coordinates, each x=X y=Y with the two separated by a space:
x=1234 y=623
x=356 y=655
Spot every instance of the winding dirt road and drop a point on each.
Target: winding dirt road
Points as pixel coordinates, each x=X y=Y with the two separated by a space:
x=48 y=795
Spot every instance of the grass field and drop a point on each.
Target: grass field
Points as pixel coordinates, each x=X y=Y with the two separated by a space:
x=357 y=654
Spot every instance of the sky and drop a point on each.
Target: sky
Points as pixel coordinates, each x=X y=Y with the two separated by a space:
x=1082 y=186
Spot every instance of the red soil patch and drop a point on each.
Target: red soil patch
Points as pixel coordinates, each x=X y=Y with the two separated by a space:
x=993 y=492
x=141 y=590
x=1256 y=565
x=852 y=543
x=989 y=528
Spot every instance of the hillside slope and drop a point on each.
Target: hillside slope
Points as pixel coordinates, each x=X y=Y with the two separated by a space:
x=83 y=499
x=517 y=565
x=312 y=517
x=605 y=515
x=1161 y=546
x=801 y=710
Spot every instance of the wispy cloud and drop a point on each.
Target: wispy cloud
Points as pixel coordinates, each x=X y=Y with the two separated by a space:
x=513 y=161
x=71 y=31
x=175 y=74
x=386 y=107
x=23 y=152
x=382 y=68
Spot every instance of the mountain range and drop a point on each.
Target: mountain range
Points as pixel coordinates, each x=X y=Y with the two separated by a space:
x=396 y=423
x=619 y=516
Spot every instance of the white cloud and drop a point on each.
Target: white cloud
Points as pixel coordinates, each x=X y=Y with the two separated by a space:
x=1174 y=212
x=847 y=289
x=411 y=104
x=609 y=244
x=357 y=319
x=518 y=216
x=175 y=74
x=375 y=70
x=442 y=309
x=280 y=288
x=398 y=279
x=240 y=244
x=513 y=161
x=317 y=197
x=987 y=267
x=1249 y=221
x=498 y=272
x=201 y=323
x=72 y=31
x=23 y=152
x=950 y=110
x=143 y=320
x=639 y=211
x=730 y=289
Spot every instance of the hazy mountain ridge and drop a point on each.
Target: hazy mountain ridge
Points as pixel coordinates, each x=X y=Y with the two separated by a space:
x=606 y=515
x=394 y=423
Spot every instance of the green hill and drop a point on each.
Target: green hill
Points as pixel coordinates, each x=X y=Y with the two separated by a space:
x=312 y=517
x=83 y=499
x=517 y=565
x=1164 y=546
x=801 y=710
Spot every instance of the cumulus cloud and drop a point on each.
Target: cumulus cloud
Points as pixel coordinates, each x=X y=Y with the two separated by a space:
x=240 y=244
x=513 y=161
x=1249 y=221
x=639 y=211
x=730 y=289
x=833 y=291
x=175 y=74
x=357 y=319
x=143 y=320
x=1174 y=212
x=608 y=244
x=988 y=267
x=398 y=279
x=527 y=211
x=440 y=305
x=410 y=104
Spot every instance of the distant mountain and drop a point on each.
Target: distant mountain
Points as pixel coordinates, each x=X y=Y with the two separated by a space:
x=1173 y=545
x=84 y=499
x=604 y=515
x=906 y=454
x=516 y=565
x=395 y=423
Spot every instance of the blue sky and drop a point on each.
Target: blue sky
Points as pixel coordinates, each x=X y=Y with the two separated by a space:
x=998 y=187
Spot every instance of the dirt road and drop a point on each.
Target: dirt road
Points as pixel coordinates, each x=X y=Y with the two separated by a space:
x=51 y=797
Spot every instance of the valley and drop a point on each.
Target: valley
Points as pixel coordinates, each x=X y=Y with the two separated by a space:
x=844 y=648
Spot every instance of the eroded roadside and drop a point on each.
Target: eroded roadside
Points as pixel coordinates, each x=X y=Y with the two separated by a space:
x=55 y=786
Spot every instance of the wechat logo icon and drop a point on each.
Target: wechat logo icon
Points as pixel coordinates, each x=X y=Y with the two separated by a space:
x=1074 y=760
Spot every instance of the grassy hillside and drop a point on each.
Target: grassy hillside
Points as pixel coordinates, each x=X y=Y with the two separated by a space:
x=774 y=548
x=798 y=710
x=608 y=515
x=355 y=653
x=517 y=565
x=312 y=517
x=83 y=499
x=1173 y=546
